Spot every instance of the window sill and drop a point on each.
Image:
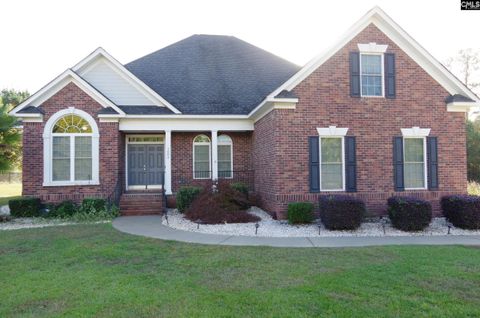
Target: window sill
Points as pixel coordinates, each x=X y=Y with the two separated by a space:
x=69 y=183
x=415 y=189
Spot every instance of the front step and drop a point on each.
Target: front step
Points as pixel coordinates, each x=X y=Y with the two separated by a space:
x=141 y=203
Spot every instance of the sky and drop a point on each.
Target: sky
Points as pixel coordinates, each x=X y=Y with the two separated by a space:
x=41 y=39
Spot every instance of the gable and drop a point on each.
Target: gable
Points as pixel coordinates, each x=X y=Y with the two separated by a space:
x=103 y=76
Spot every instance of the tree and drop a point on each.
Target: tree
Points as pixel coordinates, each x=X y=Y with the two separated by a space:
x=466 y=65
x=473 y=150
x=10 y=136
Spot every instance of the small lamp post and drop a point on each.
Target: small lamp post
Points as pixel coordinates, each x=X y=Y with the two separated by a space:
x=384 y=222
x=198 y=221
x=449 y=226
x=166 y=218
x=256 y=228
x=319 y=224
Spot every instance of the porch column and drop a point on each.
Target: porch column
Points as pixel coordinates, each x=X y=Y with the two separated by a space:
x=168 y=162
x=214 y=155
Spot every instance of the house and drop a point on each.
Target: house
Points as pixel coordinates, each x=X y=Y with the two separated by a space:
x=373 y=116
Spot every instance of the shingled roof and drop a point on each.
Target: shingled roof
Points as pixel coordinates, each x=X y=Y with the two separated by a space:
x=212 y=74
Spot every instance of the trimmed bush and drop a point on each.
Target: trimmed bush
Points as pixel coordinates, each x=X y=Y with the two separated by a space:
x=223 y=206
x=63 y=210
x=185 y=197
x=24 y=207
x=240 y=187
x=409 y=214
x=300 y=212
x=462 y=211
x=341 y=212
x=94 y=204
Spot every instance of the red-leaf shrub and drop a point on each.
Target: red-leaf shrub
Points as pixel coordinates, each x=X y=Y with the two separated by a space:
x=226 y=205
x=462 y=211
x=409 y=213
x=341 y=212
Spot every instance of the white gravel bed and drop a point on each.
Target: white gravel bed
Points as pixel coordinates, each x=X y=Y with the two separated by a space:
x=269 y=227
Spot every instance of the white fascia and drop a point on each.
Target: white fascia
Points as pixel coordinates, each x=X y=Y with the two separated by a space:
x=131 y=78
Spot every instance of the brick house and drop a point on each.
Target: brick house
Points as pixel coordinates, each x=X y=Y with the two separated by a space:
x=374 y=116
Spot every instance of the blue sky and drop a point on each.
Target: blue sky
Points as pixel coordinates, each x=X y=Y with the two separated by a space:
x=43 y=38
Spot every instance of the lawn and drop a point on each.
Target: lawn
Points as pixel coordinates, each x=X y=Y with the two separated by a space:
x=9 y=191
x=96 y=271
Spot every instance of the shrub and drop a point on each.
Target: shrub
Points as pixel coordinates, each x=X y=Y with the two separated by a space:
x=341 y=212
x=224 y=206
x=88 y=213
x=94 y=203
x=409 y=214
x=63 y=210
x=300 y=212
x=185 y=197
x=462 y=211
x=24 y=207
x=240 y=187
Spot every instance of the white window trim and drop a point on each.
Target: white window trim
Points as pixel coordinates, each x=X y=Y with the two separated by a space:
x=331 y=132
x=382 y=74
x=48 y=149
x=209 y=156
x=228 y=143
x=425 y=168
x=415 y=132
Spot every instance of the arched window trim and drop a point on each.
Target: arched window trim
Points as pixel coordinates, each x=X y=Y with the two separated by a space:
x=226 y=142
x=202 y=143
x=48 y=148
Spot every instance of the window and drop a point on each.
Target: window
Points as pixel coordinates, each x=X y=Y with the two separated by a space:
x=201 y=157
x=371 y=71
x=225 y=154
x=331 y=164
x=72 y=149
x=414 y=163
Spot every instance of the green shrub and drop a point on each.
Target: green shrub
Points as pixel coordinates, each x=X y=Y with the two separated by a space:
x=409 y=213
x=88 y=213
x=185 y=197
x=462 y=211
x=24 y=207
x=300 y=212
x=63 y=210
x=240 y=187
x=94 y=204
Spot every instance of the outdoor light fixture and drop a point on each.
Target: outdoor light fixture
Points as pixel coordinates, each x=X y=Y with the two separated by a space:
x=256 y=227
x=449 y=225
x=166 y=218
x=198 y=221
x=319 y=224
x=384 y=223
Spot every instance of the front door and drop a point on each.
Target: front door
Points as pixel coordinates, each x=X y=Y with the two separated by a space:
x=145 y=166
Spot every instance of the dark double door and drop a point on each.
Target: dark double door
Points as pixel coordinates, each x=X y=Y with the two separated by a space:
x=145 y=165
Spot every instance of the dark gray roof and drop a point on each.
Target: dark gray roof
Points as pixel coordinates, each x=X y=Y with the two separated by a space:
x=458 y=98
x=212 y=74
x=286 y=94
x=31 y=110
x=146 y=110
x=107 y=111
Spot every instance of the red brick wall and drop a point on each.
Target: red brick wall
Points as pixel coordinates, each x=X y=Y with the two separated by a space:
x=182 y=157
x=324 y=100
x=110 y=150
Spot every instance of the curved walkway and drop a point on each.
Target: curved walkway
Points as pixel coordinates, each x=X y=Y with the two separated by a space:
x=151 y=226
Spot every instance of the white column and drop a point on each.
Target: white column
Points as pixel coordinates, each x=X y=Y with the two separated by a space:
x=214 y=155
x=168 y=162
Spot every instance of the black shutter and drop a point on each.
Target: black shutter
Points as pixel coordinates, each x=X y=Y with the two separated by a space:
x=354 y=74
x=390 y=75
x=432 y=162
x=314 y=164
x=350 y=164
x=398 y=163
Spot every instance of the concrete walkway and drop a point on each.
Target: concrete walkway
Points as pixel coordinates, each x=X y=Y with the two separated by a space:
x=151 y=226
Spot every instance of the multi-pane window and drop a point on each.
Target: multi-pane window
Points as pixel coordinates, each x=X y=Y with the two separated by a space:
x=331 y=163
x=371 y=74
x=201 y=157
x=225 y=161
x=71 y=149
x=414 y=163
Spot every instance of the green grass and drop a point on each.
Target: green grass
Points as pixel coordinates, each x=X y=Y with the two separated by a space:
x=9 y=191
x=95 y=271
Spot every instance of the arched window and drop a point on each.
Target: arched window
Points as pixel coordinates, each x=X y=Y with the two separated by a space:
x=70 y=148
x=225 y=157
x=201 y=157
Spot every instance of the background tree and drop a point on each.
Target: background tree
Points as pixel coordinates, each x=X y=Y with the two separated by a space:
x=10 y=136
x=473 y=150
x=465 y=65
